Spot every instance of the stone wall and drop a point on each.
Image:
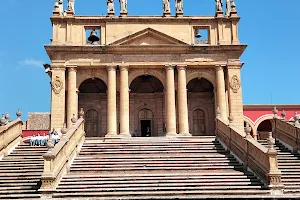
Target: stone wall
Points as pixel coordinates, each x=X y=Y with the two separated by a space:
x=38 y=121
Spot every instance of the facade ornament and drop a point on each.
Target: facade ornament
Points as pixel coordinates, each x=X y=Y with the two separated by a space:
x=64 y=131
x=57 y=85
x=2 y=120
x=81 y=113
x=218 y=112
x=166 y=6
x=74 y=119
x=179 y=6
x=271 y=142
x=110 y=7
x=296 y=120
x=56 y=10
x=219 y=5
x=232 y=4
x=18 y=113
x=248 y=130
x=71 y=6
x=7 y=117
x=275 y=112
x=235 y=83
x=283 y=114
x=123 y=6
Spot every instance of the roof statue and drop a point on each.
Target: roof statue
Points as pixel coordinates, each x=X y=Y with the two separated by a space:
x=166 y=6
x=228 y=7
x=110 y=6
x=61 y=6
x=219 y=5
x=179 y=6
x=123 y=6
x=71 y=5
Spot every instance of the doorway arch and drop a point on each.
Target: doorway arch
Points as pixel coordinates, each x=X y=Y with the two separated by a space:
x=92 y=98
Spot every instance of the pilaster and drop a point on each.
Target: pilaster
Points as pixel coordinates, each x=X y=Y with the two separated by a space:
x=57 y=98
x=235 y=92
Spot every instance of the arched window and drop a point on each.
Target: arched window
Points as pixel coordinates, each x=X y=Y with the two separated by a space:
x=199 y=122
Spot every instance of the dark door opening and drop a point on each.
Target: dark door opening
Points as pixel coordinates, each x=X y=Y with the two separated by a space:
x=146 y=128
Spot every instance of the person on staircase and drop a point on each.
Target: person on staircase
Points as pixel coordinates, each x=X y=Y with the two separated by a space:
x=33 y=140
x=55 y=137
x=38 y=140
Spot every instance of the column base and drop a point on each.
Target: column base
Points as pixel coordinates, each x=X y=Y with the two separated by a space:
x=171 y=135
x=185 y=135
x=112 y=135
x=125 y=135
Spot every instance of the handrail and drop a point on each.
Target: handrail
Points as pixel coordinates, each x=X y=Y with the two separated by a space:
x=10 y=136
x=58 y=159
x=287 y=132
x=259 y=159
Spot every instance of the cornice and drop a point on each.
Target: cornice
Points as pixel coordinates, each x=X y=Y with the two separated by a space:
x=163 y=49
x=148 y=19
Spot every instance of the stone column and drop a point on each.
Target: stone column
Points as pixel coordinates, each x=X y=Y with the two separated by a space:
x=182 y=102
x=221 y=97
x=170 y=102
x=111 y=102
x=124 y=102
x=58 y=97
x=72 y=100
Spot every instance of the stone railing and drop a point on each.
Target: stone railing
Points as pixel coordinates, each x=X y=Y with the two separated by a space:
x=259 y=159
x=59 y=158
x=10 y=134
x=287 y=132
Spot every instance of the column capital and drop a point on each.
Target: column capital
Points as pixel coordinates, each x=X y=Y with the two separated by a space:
x=58 y=68
x=181 y=66
x=72 y=68
x=169 y=66
x=124 y=67
x=234 y=64
x=111 y=67
x=220 y=67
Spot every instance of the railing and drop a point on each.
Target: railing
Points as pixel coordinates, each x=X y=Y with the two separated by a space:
x=10 y=134
x=259 y=159
x=58 y=159
x=287 y=132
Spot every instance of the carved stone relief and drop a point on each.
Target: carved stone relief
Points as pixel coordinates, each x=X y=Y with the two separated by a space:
x=57 y=85
x=235 y=83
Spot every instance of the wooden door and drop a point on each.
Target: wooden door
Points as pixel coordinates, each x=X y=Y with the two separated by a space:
x=91 y=123
x=199 y=122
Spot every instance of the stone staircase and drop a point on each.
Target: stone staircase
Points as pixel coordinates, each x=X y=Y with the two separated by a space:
x=157 y=168
x=20 y=172
x=289 y=165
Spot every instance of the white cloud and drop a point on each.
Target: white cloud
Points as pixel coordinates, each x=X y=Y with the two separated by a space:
x=31 y=62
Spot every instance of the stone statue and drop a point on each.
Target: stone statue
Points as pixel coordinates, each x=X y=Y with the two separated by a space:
x=110 y=6
x=166 y=6
x=123 y=6
x=179 y=6
x=228 y=7
x=61 y=6
x=71 y=5
x=219 y=5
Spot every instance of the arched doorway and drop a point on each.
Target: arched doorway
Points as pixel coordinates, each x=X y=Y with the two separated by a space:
x=92 y=98
x=263 y=129
x=147 y=106
x=91 y=123
x=201 y=105
x=145 y=118
x=199 y=122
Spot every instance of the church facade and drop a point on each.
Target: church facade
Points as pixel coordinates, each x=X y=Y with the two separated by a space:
x=145 y=75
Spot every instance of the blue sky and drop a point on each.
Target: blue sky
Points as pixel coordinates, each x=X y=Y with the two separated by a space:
x=270 y=28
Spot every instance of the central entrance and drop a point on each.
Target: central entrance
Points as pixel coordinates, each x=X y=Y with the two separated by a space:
x=146 y=128
x=146 y=107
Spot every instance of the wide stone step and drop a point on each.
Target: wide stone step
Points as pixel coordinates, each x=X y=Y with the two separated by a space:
x=17 y=191
x=20 y=196
x=157 y=188
x=18 y=188
x=155 y=149
x=165 y=194
x=20 y=174
x=20 y=167
x=166 y=155
x=153 y=184
x=133 y=162
x=13 y=184
x=20 y=170
x=153 y=152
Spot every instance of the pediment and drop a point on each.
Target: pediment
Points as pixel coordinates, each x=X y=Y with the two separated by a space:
x=148 y=36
